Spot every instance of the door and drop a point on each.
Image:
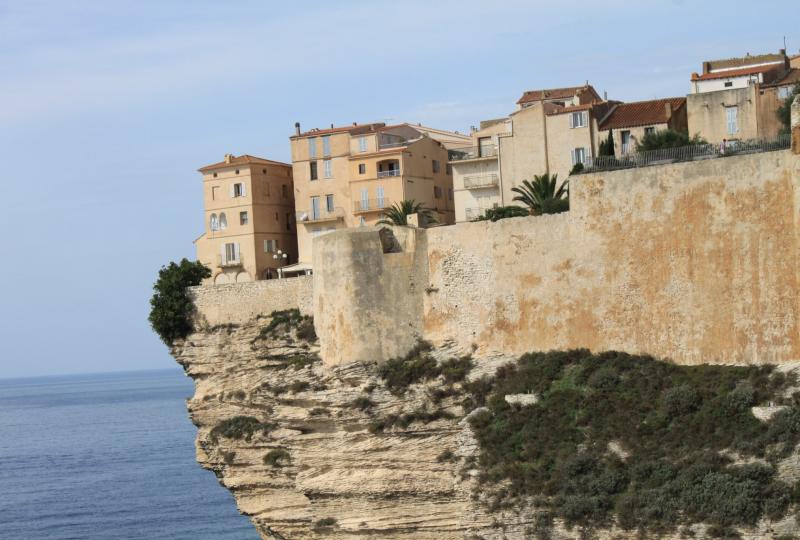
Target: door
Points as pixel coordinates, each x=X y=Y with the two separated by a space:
x=315 y=210
x=365 y=199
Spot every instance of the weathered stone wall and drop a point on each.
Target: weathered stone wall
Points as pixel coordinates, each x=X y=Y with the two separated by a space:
x=697 y=262
x=236 y=303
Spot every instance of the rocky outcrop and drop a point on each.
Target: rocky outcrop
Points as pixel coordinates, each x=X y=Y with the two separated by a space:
x=331 y=452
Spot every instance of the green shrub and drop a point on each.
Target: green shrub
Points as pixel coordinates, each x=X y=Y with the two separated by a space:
x=404 y=420
x=299 y=386
x=362 y=403
x=284 y=320
x=319 y=411
x=503 y=212
x=668 y=138
x=170 y=307
x=228 y=457
x=672 y=421
x=277 y=458
x=325 y=523
x=456 y=369
x=400 y=373
x=299 y=361
x=446 y=456
x=239 y=427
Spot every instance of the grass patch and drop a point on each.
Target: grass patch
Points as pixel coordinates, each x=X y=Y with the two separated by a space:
x=456 y=369
x=240 y=427
x=362 y=403
x=284 y=320
x=277 y=458
x=673 y=422
x=446 y=457
x=418 y=365
x=299 y=361
x=325 y=523
x=404 y=420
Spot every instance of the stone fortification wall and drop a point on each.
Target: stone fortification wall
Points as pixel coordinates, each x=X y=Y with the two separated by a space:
x=237 y=303
x=697 y=262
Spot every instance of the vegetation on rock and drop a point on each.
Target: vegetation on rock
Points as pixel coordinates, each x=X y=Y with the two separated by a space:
x=648 y=444
x=419 y=365
x=277 y=458
x=282 y=321
x=170 y=307
x=239 y=427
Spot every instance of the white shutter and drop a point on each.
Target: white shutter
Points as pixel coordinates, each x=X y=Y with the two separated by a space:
x=571 y=120
x=572 y=155
x=244 y=190
x=236 y=252
x=585 y=115
x=233 y=193
x=222 y=253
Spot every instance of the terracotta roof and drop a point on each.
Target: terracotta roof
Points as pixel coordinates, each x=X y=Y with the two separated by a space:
x=735 y=72
x=641 y=113
x=558 y=109
x=744 y=61
x=354 y=129
x=791 y=77
x=554 y=93
x=244 y=159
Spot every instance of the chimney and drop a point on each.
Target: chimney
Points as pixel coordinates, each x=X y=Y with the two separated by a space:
x=331 y=126
x=297 y=128
x=796 y=124
x=782 y=52
x=668 y=109
x=228 y=158
x=706 y=67
x=605 y=95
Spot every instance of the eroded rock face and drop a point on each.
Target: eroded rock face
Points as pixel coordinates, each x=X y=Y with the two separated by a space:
x=336 y=458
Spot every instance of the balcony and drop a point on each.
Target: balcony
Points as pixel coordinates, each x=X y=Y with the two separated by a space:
x=477 y=181
x=390 y=172
x=483 y=151
x=319 y=215
x=370 y=205
x=224 y=262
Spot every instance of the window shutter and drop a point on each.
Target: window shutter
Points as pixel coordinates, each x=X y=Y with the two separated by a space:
x=233 y=193
x=585 y=115
x=222 y=252
x=572 y=156
x=571 y=120
x=236 y=252
x=244 y=190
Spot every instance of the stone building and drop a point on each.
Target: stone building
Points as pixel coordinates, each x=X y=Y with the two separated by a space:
x=628 y=123
x=249 y=218
x=346 y=176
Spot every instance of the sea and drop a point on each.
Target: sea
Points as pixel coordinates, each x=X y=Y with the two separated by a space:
x=107 y=457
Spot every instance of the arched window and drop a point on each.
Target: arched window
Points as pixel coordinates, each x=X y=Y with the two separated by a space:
x=213 y=222
x=223 y=221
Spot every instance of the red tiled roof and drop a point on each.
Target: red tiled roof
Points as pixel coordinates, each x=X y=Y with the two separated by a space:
x=641 y=113
x=792 y=77
x=734 y=72
x=554 y=93
x=354 y=129
x=557 y=109
x=244 y=159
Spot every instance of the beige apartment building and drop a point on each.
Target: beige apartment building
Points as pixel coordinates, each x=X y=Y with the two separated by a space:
x=630 y=122
x=249 y=219
x=346 y=176
x=737 y=98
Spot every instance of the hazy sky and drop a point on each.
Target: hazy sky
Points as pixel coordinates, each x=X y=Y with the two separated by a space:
x=108 y=108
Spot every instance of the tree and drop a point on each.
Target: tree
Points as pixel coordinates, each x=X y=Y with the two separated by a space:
x=668 y=138
x=170 y=307
x=541 y=195
x=785 y=110
x=398 y=213
x=503 y=212
x=607 y=146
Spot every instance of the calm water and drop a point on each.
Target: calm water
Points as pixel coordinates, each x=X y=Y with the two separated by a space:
x=107 y=457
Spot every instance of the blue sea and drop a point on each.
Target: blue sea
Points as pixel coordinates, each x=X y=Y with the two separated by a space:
x=107 y=457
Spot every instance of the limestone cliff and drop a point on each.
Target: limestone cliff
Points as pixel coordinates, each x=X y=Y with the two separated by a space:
x=314 y=456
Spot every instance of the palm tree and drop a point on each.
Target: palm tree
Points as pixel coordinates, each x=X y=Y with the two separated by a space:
x=541 y=195
x=398 y=213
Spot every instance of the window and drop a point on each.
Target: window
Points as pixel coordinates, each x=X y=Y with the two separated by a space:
x=362 y=222
x=728 y=84
x=276 y=217
x=379 y=196
x=213 y=222
x=784 y=92
x=223 y=221
x=326 y=145
x=214 y=190
x=436 y=166
x=315 y=208
x=312 y=147
x=237 y=171
x=364 y=199
x=485 y=146
x=284 y=191
x=362 y=168
x=327 y=167
x=579 y=156
x=237 y=190
x=243 y=218
x=578 y=119
x=625 y=137
x=731 y=114
x=362 y=144
x=437 y=192
x=329 y=203
x=270 y=246
x=313 y=170
x=649 y=131
x=215 y=175
x=448 y=170
x=230 y=253
x=288 y=222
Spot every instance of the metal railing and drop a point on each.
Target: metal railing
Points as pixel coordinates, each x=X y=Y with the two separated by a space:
x=475 y=181
x=224 y=262
x=686 y=153
x=321 y=214
x=370 y=205
x=391 y=172
x=472 y=152
x=393 y=144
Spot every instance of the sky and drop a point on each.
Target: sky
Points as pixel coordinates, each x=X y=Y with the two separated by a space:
x=108 y=108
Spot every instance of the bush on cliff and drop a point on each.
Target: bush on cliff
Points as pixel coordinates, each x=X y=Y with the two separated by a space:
x=419 y=365
x=239 y=427
x=642 y=442
x=668 y=138
x=170 y=307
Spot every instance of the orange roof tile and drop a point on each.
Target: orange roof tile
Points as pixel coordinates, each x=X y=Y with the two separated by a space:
x=641 y=113
x=555 y=93
x=244 y=159
x=735 y=72
x=354 y=129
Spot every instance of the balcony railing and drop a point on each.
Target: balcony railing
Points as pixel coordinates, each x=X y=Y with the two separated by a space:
x=321 y=214
x=370 y=205
x=685 y=153
x=472 y=152
x=391 y=172
x=475 y=181
x=224 y=262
